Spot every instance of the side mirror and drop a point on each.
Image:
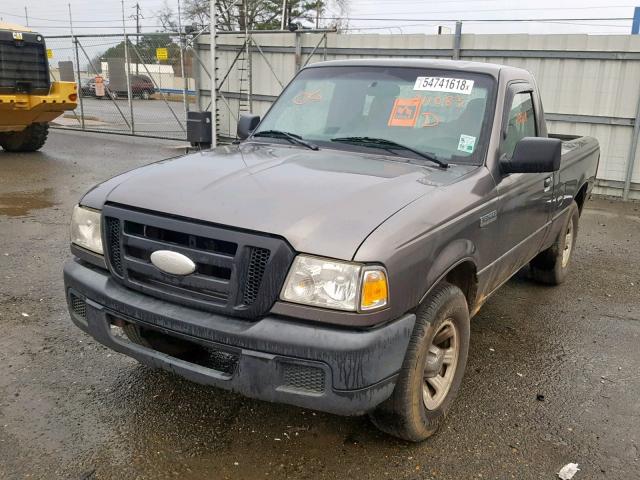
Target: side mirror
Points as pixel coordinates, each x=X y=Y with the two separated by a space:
x=247 y=124
x=534 y=155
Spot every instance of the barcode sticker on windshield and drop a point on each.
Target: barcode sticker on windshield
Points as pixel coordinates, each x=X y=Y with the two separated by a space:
x=441 y=84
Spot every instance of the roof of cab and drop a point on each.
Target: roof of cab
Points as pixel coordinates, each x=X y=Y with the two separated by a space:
x=492 y=69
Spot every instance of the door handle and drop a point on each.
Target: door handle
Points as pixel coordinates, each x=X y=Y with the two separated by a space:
x=547 y=183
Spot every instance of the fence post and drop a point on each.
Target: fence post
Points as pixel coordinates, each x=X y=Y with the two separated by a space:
x=324 y=54
x=185 y=85
x=457 y=41
x=214 y=88
x=631 y=159
x=75 y=44
x=298 y=54
x=195 y=72
x=127 y=74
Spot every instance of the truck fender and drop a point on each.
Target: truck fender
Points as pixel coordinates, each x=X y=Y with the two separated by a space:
x=451 y=256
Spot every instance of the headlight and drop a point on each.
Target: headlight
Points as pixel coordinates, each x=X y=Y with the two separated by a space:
x=85 y=229
x=334 y=284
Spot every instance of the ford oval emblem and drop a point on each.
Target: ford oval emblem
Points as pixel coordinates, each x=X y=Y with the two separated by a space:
x=173 y=262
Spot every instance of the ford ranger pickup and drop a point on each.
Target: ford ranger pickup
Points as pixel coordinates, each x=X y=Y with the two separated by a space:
x=333 y=257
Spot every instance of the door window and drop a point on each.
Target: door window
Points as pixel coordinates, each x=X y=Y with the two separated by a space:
x=521 y=122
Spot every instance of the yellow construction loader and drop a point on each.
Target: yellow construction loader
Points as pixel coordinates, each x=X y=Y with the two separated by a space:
x=28 y=98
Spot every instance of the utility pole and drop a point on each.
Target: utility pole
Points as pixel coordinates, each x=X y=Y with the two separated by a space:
x=214 y=93
x=137 y=16
x=26 y=16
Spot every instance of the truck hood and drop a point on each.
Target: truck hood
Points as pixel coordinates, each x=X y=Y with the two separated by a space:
x=323 y=202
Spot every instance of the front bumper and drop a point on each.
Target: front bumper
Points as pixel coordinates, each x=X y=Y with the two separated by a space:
x=352 y=371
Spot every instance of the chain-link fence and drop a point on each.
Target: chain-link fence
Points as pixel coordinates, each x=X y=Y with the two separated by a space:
x=134 y=84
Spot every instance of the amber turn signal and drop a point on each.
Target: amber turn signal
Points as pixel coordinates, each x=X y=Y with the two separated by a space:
x=73 y=97
x=375 y=290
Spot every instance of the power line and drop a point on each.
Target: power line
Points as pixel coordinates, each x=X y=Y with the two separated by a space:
x=478 y=19
x=493 y=10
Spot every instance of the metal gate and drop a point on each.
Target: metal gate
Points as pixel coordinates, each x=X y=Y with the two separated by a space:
x=127 y=84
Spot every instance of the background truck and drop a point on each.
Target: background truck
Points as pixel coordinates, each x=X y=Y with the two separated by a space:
x=28 y=99
x=333 y=259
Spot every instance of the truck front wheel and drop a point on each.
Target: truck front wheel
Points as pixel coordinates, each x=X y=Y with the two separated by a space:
x=552 y=265
x=30 y=139
x=433 y=367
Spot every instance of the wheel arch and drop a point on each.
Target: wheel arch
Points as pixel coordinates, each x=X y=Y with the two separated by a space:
x=456 y=264
x=581 y=196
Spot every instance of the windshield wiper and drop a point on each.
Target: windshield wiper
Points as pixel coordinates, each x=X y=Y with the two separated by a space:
x=389 y=144
x=292 y=137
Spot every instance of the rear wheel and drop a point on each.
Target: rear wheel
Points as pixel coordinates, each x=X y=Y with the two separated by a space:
x=552 y=265
x=433 y=367
x=30 y=139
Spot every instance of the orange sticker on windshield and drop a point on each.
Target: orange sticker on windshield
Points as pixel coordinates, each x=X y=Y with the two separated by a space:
x=306 y=97
x=405 y=112
x=430 y=119
x=521 y=118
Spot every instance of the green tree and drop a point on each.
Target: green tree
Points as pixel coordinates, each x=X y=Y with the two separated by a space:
x=145 y=48
x=251 y=14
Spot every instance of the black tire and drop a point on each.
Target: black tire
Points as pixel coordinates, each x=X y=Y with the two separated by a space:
x=405 y=413
x=30 y=139
x=551 y=266
x=156 y=341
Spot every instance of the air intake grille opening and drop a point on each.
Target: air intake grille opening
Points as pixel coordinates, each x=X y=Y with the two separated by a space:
x=304 y=378
x=257 y=265
x=79 y=306
x=113 y=241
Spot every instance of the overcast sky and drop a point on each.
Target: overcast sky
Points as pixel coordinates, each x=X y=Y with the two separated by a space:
x=366 y=16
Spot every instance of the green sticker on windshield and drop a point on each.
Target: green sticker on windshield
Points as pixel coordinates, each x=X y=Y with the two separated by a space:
x=467 y=143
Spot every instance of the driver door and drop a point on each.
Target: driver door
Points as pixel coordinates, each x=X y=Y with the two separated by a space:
x=525 y=198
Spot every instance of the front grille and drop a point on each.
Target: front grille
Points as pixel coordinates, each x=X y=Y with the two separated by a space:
x=23 y=64
x=237 y=273
x=78 y=306
x=304 y=378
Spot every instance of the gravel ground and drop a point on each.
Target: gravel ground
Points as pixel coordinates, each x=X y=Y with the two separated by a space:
x=552 y=376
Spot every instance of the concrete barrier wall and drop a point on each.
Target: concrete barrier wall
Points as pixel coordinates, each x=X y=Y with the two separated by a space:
x=590 y=84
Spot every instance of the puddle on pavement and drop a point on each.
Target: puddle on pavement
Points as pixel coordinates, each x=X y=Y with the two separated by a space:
x=18 y=204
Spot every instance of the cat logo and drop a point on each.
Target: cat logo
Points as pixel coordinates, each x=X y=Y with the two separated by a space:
x=17 y=35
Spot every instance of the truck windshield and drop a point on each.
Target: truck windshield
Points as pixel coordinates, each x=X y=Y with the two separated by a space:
x=443 y=113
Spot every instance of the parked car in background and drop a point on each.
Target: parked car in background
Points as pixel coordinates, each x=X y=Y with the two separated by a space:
x=141 y=86
x=87 y=87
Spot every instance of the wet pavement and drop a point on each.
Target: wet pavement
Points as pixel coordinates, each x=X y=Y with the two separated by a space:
x=552 y=376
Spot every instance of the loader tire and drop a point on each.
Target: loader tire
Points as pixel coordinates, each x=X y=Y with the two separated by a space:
x=30 y=139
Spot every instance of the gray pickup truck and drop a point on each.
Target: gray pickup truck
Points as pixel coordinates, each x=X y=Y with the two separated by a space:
x=332 y=258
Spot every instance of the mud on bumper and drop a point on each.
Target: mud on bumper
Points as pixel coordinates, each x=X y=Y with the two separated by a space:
x=346 y=372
